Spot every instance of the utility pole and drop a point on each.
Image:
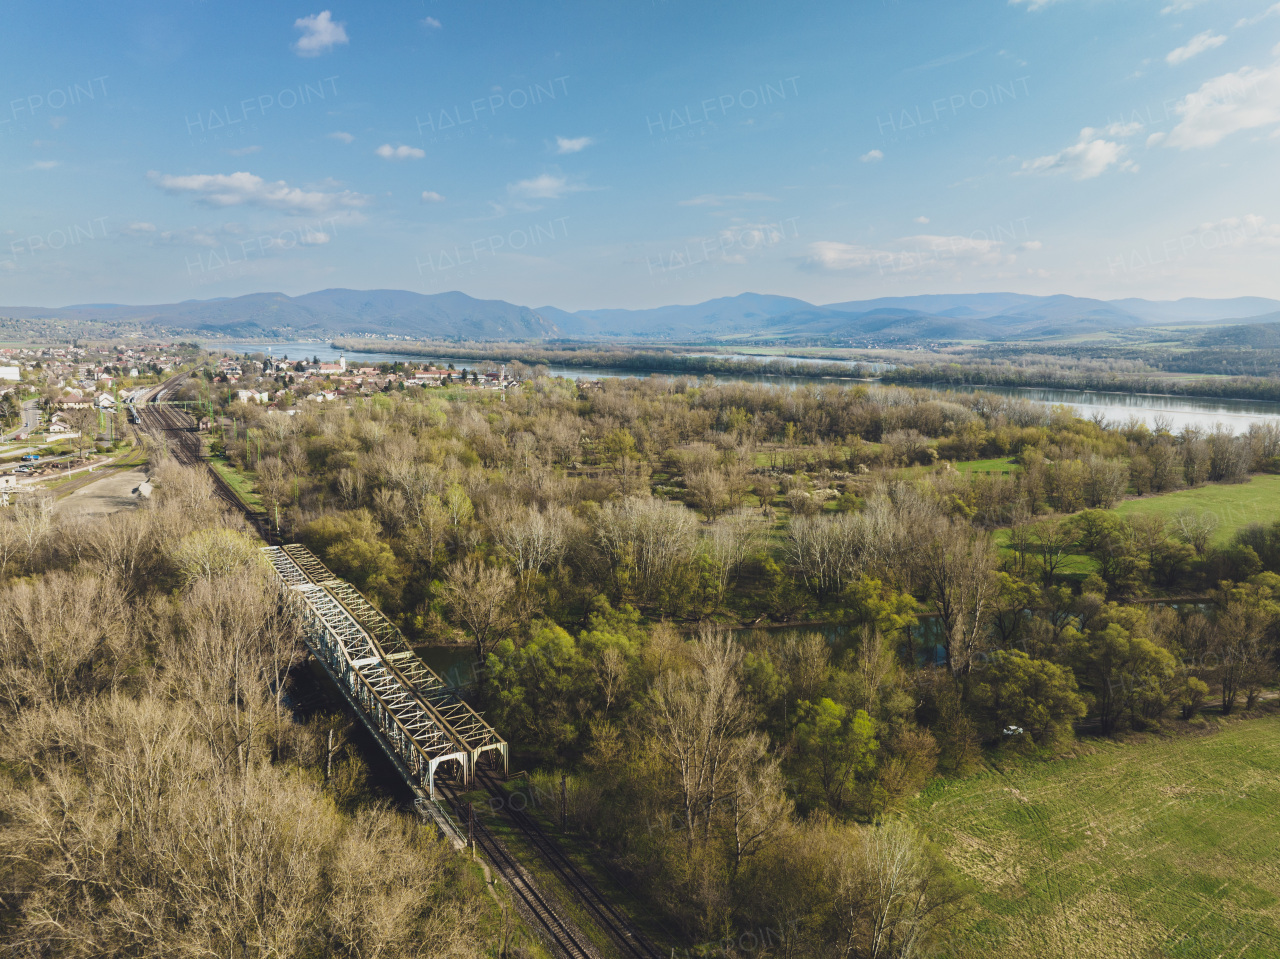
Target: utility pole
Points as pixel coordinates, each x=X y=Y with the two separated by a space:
x=564 y=805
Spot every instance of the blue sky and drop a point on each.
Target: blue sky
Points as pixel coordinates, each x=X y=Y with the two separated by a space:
x=583 y=154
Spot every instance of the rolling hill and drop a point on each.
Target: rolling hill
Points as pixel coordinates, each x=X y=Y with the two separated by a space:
x=742 y=318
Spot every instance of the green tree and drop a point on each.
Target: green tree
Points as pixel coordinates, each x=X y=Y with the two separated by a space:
x=351 y=545
x=538 y=693
x=1111 y=542
x=1034 y=694
x=1125 y=670
x=834 y=747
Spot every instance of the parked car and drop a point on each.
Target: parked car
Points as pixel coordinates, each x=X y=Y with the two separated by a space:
x=31 y=457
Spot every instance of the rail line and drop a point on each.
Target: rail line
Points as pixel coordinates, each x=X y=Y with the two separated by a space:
x=567 y=940
x=177 y=430
x=620 y=929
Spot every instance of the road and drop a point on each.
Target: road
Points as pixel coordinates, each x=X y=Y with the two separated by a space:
x=30 y=421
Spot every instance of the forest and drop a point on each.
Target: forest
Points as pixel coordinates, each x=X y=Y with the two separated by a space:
x=1222 y=372
x=598 y=546
x=157 y=795
x=747 y=625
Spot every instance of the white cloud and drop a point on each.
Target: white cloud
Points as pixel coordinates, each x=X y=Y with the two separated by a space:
x=246 y=189
x=543 y=187
x=872 y=156
x=139 y=229
x=431 y=23
x=431 y=196
x=1239 y=231
x=319 y=34
x=922 y=220
x=343 y=137
x=573 y=145
x=244 y=151
x=1245 y=100
x=1271 y=11
x=1031 y=245
x=1208 y=40
x=1088 y=157
x=720 y=199
x=1033 y=4
x=402 y=152
x=1155 y=139
x=44 y=165
x=310 y=238
x=193 y=236
x=1122 y=129
x=923 y=253
x=1181 y=6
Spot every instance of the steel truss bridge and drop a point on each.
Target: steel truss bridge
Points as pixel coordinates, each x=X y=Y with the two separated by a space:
x=415 y=716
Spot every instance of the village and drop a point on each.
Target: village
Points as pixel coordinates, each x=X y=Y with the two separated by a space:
x=66 y=378
x=285 y=383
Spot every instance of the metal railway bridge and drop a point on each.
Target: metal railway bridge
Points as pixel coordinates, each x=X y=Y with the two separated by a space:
x=414 y=715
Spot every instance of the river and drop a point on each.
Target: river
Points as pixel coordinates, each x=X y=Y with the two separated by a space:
x=1177 y=411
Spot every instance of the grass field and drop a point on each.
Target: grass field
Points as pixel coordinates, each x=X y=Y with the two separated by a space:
x=1156 y=848
x=1001 y=464
x=1236 y=505
x=238 y=481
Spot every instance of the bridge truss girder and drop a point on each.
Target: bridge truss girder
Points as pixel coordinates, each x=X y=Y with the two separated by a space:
x=398 y=697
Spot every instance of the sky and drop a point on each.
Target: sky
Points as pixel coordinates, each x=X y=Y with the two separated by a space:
x=591 y=155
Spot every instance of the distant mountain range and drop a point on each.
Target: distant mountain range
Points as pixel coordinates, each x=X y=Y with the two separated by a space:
x=749 y=316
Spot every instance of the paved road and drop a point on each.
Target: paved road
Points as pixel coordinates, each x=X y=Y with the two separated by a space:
x=30 y=420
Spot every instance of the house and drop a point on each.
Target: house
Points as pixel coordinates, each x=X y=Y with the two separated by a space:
x=431 y=377
x=252 y=396
x=74 y=400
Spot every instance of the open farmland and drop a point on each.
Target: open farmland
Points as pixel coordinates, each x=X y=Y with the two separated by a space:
x=1151 y=848
x=1236 y=505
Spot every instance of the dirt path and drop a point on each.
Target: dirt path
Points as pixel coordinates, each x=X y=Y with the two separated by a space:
x=101 y=497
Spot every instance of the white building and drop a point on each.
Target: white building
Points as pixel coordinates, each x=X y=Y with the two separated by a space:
x=10 y=373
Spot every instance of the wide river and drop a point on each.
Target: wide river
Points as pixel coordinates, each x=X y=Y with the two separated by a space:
x=1177 y=411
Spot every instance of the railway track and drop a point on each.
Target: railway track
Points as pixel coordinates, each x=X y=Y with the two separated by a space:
x=178 y=431
x=625 y=935
x=565 y=938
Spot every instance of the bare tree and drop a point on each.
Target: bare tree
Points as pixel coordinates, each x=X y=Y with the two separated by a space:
x=730 y=541
x=1195 y=528
x=651 y=537
x=534 y=539
x=887 y=895
x=1052 y=542
x=708 y=490
x=479 y=596
x=84 y=422
x=956 y=566
x=33 y=515
x=828 y=552
x=700 y=723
